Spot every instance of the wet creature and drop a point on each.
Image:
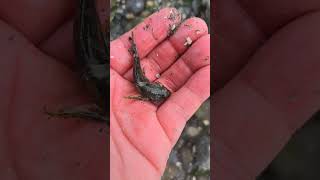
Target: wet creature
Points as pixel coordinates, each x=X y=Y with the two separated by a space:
x=91 y=40
x=150 y=91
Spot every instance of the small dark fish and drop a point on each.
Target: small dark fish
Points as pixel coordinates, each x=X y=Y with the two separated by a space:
x=151 y=91
x=92 y=51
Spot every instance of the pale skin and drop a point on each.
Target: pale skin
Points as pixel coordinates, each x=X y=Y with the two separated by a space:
x=35 y=71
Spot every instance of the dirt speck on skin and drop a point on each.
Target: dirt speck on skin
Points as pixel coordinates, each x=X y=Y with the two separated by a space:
x=197 y=31
x=146 y=27
x=173 y=15
x=172 y=29
x=188 y=41
x=188 y=26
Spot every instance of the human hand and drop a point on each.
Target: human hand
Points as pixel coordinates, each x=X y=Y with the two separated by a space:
x=36 y=49
x=143 y=134
x=266 y=81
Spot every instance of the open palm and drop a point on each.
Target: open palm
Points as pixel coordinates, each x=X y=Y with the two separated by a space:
x=36 y=46
x=141 y=133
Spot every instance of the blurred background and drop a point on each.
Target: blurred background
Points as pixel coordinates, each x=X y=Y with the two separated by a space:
x=190 y=158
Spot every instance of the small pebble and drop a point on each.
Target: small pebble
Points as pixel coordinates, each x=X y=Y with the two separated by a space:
x=194 y=149
x=206 y=122
x=119 y=11
x=178 y=164
x=158 y=75
x=150 y=4
x=135 y=6
x=145 y=13
x=129 y=16
x=193 y=131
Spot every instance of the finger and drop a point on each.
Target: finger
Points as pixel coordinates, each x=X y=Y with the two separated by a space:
x=60 y=44
x=234 y=42
x=182 y=104
x=36 y=19
x=148 y=35
x=167 y=52
x=195 y=58
x=257 y=112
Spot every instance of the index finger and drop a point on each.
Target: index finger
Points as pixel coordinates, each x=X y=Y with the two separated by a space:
x=148 y=33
